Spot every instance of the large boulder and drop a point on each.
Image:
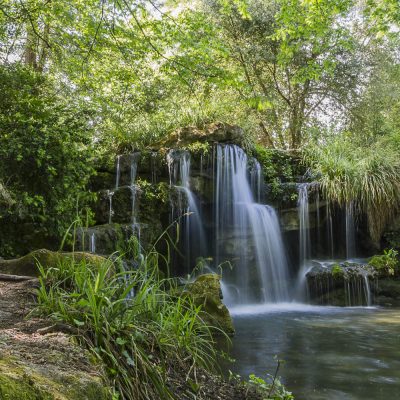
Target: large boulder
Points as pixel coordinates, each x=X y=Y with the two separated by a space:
x=27 y=265
x=206 y=291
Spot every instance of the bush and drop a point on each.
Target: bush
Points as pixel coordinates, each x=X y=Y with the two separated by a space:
x=387 y=263
x=45 y=152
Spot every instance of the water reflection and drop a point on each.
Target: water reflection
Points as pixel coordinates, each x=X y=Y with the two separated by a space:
x=329 y=352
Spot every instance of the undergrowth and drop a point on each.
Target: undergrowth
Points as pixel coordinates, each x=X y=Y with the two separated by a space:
x=130 y=321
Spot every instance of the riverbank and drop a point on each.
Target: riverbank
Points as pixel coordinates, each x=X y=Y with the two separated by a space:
x=41 y=360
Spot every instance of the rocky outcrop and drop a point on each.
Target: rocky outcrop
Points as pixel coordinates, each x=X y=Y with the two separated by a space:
x=219 y=132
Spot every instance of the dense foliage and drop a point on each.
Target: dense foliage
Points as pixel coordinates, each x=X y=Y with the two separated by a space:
x=45 y=152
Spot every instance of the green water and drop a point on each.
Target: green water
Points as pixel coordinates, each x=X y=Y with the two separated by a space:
x=329 y=352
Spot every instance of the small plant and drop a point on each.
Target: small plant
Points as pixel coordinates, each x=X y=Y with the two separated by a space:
x=387 y=263
x=270 y=388
x=337 y=271
x=199 y=148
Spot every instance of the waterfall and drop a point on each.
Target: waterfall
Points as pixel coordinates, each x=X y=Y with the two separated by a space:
x=329 y=230
x=304 y=222
x=186 y=208
x=153 y=156
x=256 y=182
x=350 y=231
x=134 y=164
x=247 y=233
x=367 y=290
x=110 y=195
x=92 y=243
x=117 y=172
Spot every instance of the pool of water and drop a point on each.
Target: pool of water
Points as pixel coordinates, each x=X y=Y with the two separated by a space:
x=329 y=353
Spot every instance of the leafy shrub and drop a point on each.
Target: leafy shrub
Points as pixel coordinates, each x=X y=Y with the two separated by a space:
x=387 y=263
x=276 y=164
x=45 y=151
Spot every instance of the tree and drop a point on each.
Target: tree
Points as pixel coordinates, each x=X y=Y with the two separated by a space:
x=291 y=59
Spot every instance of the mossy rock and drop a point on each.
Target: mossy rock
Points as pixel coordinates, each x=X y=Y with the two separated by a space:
x=217 y=132
x=27 y=265
x=206 y=291
x=23 y=382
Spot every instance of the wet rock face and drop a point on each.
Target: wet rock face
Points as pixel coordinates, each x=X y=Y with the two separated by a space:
x=206 y=291
x=341 y=284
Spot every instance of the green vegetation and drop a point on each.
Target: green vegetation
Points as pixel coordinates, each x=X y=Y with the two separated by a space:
x=130 y=322
x=84 y=80
x=337 y=271
x=367 y=176
x=271 y=388
x=45 y=154
x=387 y=264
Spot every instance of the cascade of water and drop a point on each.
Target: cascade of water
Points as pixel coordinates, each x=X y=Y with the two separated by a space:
x=92 y=243
x=367 y=290
x=329 y=230
x=247 y=233
x=304 y=221
x=132 y=187
x=134 y=165
x=153 y=167
x=186 y=208
x=256 y=179
x=350 y=231
x=110 y=195
x=118 y=172
x=304 y=240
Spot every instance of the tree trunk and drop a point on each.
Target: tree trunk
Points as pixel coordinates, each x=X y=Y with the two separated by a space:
x=30 y=54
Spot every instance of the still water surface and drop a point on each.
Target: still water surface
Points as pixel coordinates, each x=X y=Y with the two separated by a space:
x=330 y=353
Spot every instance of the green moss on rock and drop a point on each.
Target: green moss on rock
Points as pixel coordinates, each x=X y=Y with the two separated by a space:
x=23 y=382
x=206 y=291
x=27 y=265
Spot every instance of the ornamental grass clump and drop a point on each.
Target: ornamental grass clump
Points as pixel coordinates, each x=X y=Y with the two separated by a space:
x=367 y=177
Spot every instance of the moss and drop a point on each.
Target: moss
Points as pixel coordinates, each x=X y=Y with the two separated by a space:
x=22 y=382
x=27 y=265
x=337 y=271
x=206 y=291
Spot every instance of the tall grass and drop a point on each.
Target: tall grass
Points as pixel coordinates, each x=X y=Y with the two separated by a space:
x=366 y=175
x=130 y=321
